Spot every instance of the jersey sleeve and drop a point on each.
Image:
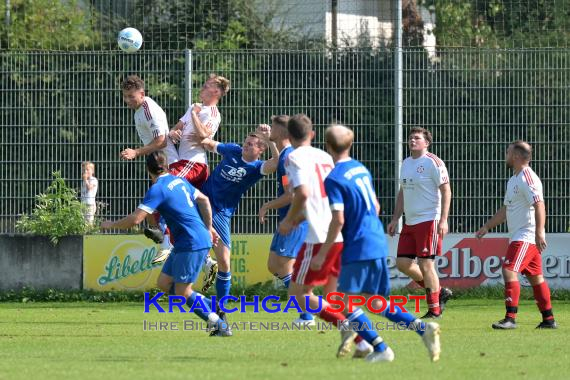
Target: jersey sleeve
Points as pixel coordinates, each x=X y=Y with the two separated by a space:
x=439 y=175
x=532 y=188
x=228 y=149
x=187 y=116
x=334 y=194
x=297 y=175
x=151 y=201
x=158 y=126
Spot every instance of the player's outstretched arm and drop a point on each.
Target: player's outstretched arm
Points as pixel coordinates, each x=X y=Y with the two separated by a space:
x=398 y=211
x=175 y=133
x=335 y=228
x=201 y=130
x=499 y=218
x=210 y=145
x=127 y=222
x=157 y=144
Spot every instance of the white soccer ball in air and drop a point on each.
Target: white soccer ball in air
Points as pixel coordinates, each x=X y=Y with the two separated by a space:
x=129 y=40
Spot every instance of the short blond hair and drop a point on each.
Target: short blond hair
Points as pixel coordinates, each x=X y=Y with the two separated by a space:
x=339 y=138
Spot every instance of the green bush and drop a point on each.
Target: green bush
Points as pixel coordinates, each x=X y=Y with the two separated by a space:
x=57 y=213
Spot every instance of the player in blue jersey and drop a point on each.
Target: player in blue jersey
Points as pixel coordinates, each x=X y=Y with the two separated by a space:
x=364 y=269
x=189 y=216
x=239 y=169
x=284 y=248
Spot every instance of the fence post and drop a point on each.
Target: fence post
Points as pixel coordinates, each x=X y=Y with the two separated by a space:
x=398 y=101
x=188 y=77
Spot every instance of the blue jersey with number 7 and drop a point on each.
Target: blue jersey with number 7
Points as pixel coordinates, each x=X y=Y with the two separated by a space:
x=349 y=188
x=175 y=199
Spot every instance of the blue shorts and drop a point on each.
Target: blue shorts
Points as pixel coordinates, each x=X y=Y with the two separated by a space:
x=185 y=266
x=221 y=223
x=369 y=276
x=290 y=244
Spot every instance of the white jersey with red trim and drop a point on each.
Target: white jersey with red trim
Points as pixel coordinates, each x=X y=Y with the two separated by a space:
x=310 y=166
x=523 y=191
x=151 y=122
x=210 y=118
x=420 y=179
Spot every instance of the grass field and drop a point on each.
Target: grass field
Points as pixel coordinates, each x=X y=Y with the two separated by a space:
x=107 y=341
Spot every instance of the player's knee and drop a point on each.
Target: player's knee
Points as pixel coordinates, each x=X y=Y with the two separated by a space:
x=403 y=264
x=426 y=265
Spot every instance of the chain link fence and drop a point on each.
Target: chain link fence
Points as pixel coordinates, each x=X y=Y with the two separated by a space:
x=60 y=108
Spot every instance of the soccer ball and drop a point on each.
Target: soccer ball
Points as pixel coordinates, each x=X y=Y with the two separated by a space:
x=129 y=40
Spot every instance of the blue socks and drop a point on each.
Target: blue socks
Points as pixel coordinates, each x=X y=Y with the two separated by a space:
x=223 y=284
x=398 y=316
x=199 y=311
x=365 y=329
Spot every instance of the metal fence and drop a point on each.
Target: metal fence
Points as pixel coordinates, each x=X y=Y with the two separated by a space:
x=58 y=109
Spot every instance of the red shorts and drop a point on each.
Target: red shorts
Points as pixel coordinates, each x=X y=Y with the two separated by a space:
x=195 y=172
x=420 y=240
x=523 y=257
x=302 y=273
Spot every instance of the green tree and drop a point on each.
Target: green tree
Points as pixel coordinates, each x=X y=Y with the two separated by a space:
x=47 y=25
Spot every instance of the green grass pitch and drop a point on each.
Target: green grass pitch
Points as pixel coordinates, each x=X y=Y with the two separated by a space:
x=107 y=341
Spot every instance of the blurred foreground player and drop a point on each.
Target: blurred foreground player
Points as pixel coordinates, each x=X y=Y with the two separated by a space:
x=525 y=215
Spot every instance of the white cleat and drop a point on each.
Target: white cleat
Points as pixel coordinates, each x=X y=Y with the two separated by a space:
x=304 y=322
x=346 y=342
x=384 y=356
x=362 y=351
x=161 y=256
x=431 y=340
x=210 y=272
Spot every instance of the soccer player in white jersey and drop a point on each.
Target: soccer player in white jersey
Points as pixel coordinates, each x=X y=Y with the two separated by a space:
x=424 y=198
x=525 y=214
x=307 y=168
x=200 y=121
x=152 y=128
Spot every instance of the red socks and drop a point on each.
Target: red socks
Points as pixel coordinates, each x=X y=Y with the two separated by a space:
x=512 y=295
x=433 y=301
x=542 y=297
x=330 y=317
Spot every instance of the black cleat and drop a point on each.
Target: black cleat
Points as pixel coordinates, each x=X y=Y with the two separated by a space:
x=445 y=294
x=547 y=324
x=505 y=324
x=431 y=315
x=222 y=332
x=154 y=234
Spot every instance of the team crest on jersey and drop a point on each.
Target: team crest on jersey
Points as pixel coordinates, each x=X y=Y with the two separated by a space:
x=516 y=189
x=233 y=174
x=420 y=169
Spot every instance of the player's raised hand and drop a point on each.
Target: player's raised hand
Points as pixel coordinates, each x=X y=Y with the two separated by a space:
x=129 y=154
x=263 y=131
x=262 y=212
x=392 y=227
x=196 y=108
x=175 y=135
x=481 y=232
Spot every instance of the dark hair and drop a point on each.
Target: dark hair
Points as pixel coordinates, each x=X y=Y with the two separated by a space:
x=425 y=132
x=523 y=149
x=299 y=126
x=132 y=82
x=280 y=120
x=156 y=163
